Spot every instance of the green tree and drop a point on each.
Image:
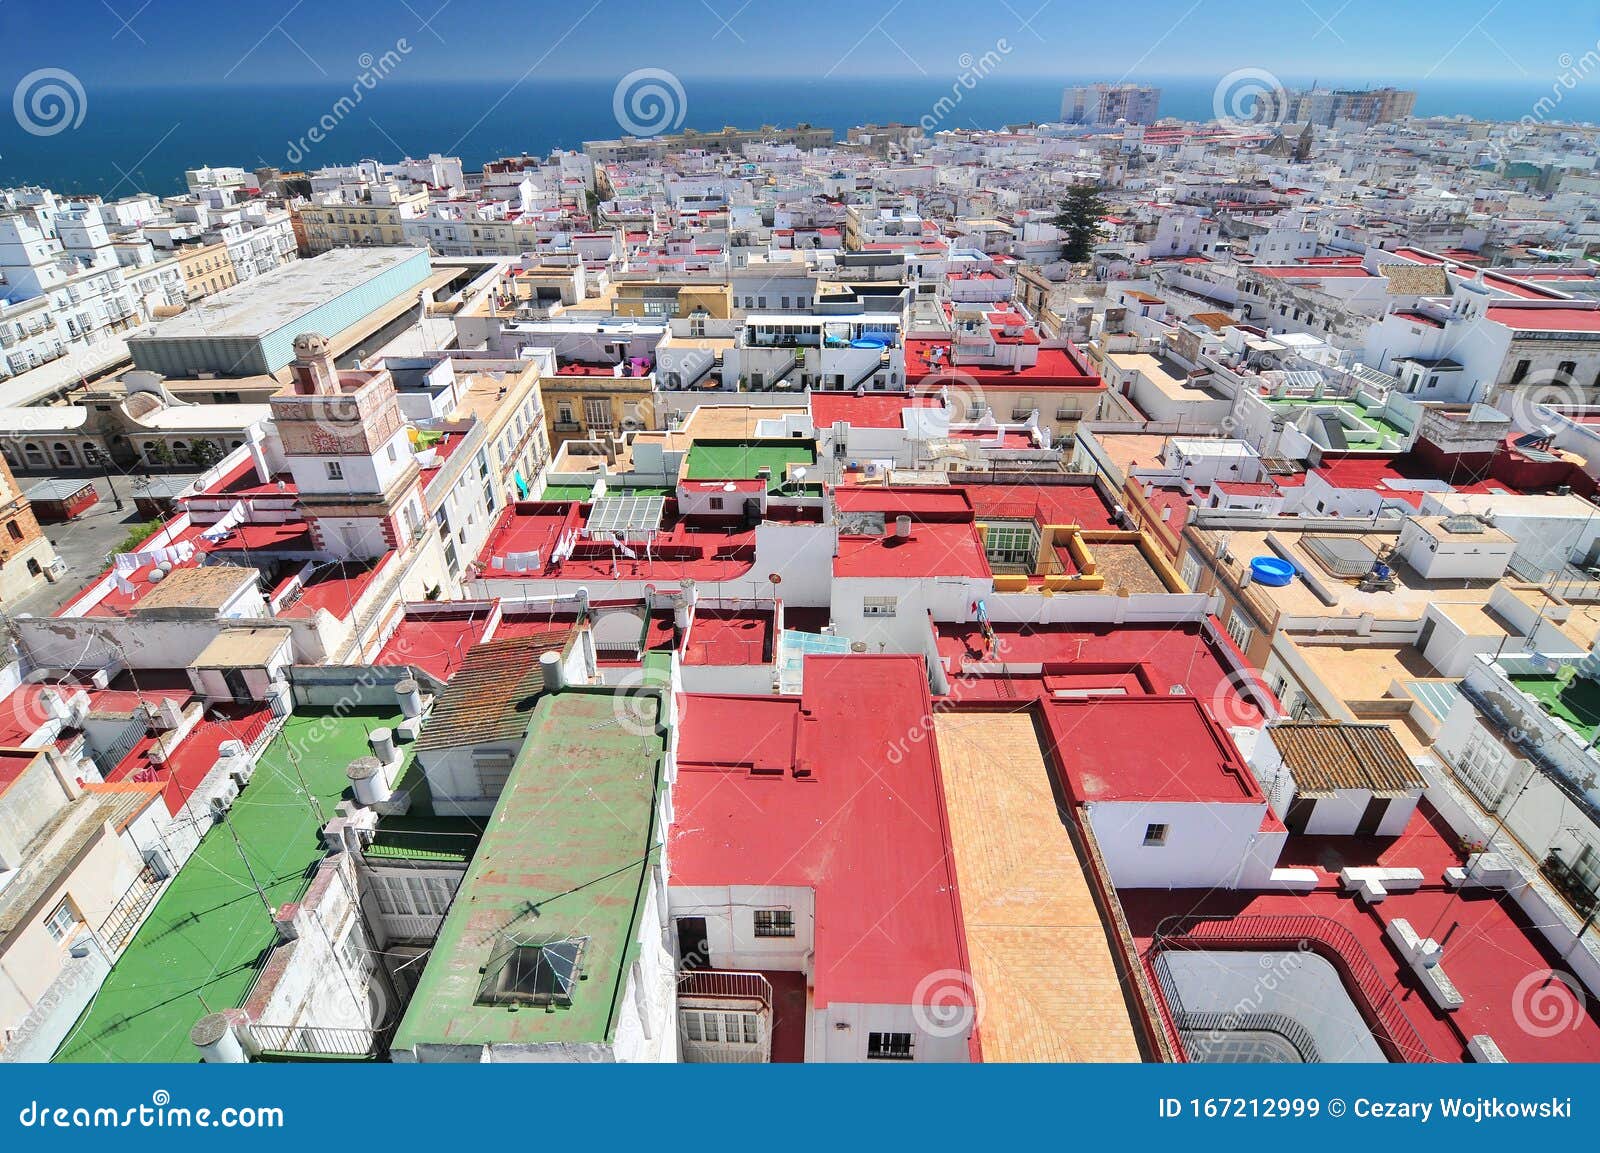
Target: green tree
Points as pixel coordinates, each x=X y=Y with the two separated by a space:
x=204 y=453
x=1078 y=217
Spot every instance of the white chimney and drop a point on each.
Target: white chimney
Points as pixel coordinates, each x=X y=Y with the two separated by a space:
x=367 y=781
x=409 y=695
x=555 y=674
x=382 y=742
x=902 y=527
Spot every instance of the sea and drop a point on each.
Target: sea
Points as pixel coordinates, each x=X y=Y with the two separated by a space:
x=115 y=140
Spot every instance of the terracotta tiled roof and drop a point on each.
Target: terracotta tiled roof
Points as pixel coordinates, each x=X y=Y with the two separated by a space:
x=1324 y=756
x=492 y=694
x=1416 y=280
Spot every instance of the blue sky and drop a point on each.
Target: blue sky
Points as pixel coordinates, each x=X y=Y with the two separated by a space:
x=135 y=42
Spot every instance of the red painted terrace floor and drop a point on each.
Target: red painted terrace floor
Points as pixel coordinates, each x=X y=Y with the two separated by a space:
x=1496 y=958
x=437 y=643
x=196 y=754
x=1158 y=657
x=729 y=637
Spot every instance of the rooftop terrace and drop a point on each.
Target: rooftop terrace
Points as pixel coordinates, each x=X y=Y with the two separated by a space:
x=1575 y=701
x=567 y=854
x=202 y=946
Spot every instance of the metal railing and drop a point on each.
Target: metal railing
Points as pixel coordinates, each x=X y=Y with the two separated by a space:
x=120 y=746
x=1334 y=942
x=128 y=913
x=319 y=1040
x=723 y=984
x=1198 y=1033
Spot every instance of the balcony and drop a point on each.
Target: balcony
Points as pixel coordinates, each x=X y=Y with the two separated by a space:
x=724 y=1017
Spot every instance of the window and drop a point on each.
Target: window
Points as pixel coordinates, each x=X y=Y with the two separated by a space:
x=1519 y=373
x=1484 y=767
x=494 y=770
x=1155 y=834
x=774 y=923
x=1191 y=573
x=14 y=530
x=888 y=1046
x=1239 y=629
x=335 y=470
x=716 y=503
x=597 y=413
x=62 y=921
x=1011 y=543
x=878 y=606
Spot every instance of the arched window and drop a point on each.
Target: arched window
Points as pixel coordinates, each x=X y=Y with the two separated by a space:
x=64 y=455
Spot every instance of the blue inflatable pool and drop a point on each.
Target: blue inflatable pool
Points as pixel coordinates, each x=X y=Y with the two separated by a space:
x=1272 y=571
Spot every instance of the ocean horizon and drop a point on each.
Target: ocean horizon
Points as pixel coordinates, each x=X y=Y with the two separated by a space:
x=143 y=138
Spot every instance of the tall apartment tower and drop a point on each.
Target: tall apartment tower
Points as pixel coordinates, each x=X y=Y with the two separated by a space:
x=346 y=444
x=1105 y=104
x=1364 y=105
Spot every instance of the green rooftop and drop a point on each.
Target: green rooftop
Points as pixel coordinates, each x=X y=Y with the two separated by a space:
x=424 y=838
x=1382 y=432
x=202 y=946
x=566 y=857
x=743 y=460
x=585 y=491
x=1576 y=701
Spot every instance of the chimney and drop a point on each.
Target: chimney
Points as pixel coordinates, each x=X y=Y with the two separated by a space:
x=555 y=675
x=409 y=695
x=314 y=370
x=902 y=527
x=367 y=781
x=382 y=742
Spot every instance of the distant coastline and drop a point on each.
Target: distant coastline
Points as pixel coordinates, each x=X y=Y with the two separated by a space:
x=153 y=134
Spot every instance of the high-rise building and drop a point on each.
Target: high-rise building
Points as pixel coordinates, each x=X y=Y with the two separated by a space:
x=1363 y=105
x=1104 y=104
